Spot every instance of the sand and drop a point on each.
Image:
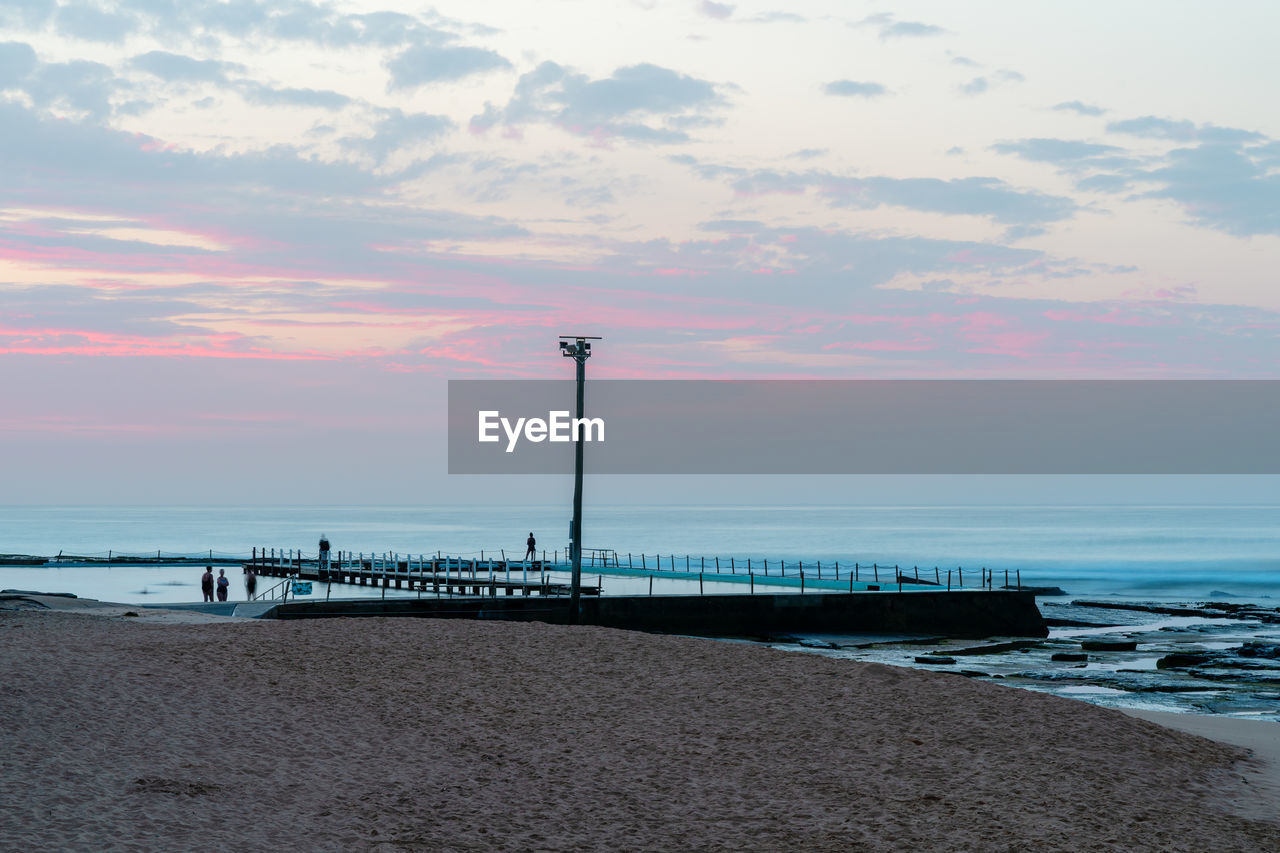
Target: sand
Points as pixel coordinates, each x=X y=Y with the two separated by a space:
x=123 y=733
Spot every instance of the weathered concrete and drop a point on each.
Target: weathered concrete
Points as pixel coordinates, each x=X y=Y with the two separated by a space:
x=966 y=613
x=214 y=608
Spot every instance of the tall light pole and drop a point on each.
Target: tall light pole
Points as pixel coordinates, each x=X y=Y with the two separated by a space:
x=577 y=348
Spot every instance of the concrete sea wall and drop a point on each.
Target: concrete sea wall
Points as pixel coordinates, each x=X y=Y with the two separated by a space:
x=959 y=613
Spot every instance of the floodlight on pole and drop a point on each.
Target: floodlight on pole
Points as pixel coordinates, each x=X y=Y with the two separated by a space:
x=577 y=348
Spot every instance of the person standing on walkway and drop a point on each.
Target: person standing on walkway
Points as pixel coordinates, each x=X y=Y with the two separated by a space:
x=250 y=583
x=206 y=583
x=224 y=584
x=531 y=551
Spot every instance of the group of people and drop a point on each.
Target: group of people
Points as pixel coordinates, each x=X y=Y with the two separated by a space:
x=221 y=585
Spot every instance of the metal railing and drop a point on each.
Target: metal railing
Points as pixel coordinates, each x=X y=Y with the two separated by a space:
x=280 y=590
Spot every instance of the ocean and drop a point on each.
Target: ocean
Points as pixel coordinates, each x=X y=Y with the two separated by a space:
x=1151 y=552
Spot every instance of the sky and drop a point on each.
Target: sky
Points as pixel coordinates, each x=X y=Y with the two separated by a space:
x=244 y=244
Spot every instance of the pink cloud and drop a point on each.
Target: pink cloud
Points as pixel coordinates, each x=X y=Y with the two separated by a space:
x=973 y=257
x=680 y=271
x=60 y=341
x=980 y=321
x=1016 y=344
x=1113 y=317
x=914 y=345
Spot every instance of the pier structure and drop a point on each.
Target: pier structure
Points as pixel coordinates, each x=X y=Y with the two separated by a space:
x=438 y=575
x=760 y=598
x=451 y=574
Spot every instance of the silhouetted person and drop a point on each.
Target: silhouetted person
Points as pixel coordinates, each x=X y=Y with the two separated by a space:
x=322 y=561
x=531 y=552
x=206 y=583
x=224 y=584
x=250 y=583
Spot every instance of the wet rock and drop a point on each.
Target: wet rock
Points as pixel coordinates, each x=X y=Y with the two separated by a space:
x=1109 y=645
x=1208 y=610
x=997 y=648
x=1069 y=656
x=1146 y=608
x=1229 y=661
x=936 y=659
x=1238 y=676
x=1179 y=660
x=1050 y=675
x=1055 y=622
x=1259 y=650
x=1037 y=590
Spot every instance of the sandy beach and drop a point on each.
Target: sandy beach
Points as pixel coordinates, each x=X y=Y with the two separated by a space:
x=172 y=731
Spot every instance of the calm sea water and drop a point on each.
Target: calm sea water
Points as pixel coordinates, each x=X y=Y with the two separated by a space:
x=1175 y=552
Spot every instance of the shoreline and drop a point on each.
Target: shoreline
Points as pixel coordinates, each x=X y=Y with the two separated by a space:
x=1003 y=665
x=1261 y=773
